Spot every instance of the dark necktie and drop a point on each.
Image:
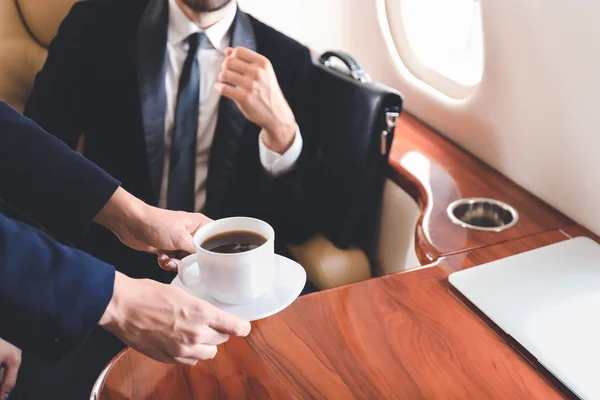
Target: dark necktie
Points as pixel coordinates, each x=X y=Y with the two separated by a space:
x=182 y=166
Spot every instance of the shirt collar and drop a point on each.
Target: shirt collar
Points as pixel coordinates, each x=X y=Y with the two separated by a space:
x=180 y=27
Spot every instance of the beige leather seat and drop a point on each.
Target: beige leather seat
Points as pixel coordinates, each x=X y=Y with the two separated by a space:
x=328 y=266
x=26 y=29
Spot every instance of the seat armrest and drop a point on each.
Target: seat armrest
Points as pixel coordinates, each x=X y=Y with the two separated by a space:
x=328 y=266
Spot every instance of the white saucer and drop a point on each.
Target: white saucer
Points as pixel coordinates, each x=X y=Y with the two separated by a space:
x=287 y=287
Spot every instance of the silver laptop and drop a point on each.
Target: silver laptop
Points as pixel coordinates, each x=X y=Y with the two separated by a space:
x=548 y=300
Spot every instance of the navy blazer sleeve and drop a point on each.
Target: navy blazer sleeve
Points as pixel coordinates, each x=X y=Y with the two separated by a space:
x=51 y=296
x=43 y=178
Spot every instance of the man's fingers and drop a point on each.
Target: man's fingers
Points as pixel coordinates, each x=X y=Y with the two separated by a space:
x=200 y=220
x=234 y=93
x=237 y=65
x=10 y=379
x=235 y=78
x=187 y=361
x=230 y=324
x=213 y=337
x=183 y=236
x=169 y=260
x=249 y=56
x=185 y=245
x=143 y=247
x=200 y=352
x=183 y=241
x=167 y=263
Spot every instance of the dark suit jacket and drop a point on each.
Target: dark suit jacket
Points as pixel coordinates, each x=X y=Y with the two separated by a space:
x=51 y=296
x=104 y=77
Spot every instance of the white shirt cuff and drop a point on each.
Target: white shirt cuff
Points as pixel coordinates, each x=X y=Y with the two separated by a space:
x=278 y=164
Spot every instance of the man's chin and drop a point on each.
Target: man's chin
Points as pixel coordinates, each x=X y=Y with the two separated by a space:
x=206 y=5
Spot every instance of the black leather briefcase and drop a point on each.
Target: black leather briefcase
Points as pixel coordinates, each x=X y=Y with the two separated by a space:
x=356 y=118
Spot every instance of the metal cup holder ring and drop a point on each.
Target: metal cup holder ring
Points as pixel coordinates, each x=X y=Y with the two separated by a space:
x=483 y=214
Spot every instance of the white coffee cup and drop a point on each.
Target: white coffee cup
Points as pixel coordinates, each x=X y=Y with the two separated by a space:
x=233 y=278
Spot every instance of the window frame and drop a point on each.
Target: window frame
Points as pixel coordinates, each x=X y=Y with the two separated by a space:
x=412 y=63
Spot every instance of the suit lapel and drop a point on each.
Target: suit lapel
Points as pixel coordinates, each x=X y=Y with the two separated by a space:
x=229 y=130
x=151 y=67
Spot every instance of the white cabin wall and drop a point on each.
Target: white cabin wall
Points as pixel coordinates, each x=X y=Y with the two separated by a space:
x=535 y=114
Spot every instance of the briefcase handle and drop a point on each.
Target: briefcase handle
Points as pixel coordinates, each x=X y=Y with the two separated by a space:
x=356 y=72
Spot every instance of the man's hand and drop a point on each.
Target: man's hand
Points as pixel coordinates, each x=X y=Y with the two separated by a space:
x=154 y=230
x=248 y=79
x=10 y=361
x=167 y=324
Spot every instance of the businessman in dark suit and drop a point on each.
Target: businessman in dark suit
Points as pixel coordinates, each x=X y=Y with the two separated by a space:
x=192 y=104
x=51 y=295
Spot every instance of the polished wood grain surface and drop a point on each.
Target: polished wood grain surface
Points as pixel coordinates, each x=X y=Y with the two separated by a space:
x=436 y=172
x=401 y=336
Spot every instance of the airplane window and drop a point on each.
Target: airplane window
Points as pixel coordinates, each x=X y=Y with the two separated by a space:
x=440 y=41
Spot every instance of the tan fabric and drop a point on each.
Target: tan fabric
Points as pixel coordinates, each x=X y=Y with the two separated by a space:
x=20 y=56
x=44 y=16
x=327 y=266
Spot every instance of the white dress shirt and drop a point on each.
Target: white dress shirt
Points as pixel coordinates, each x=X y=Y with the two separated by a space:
x=210 y=58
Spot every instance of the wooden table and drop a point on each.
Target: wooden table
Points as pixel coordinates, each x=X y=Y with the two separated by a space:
x=405 y=336
x=402 y=336
x=436 y=172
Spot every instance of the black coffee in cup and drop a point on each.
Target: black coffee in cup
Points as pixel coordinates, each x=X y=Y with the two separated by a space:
x=233 y=242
